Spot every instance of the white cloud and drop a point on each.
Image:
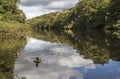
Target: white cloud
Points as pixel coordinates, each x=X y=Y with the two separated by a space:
x=33 y=11
x=34 y=8
x=61 y=4
x=56 y=4
x=31 y=15
x=117 y=78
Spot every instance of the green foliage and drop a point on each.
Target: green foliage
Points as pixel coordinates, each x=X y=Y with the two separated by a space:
x=12 y=38
x=13 y=30
x=114 y=14
x=7 y=56
x=52 y=20
x=92 y=44
x=10 y=11
x=92 y=13
x=86 y=14
x=45 y=21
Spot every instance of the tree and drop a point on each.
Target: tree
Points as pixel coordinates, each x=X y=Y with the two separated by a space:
x=10 y=11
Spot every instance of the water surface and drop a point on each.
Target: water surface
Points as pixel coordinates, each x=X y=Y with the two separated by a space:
x=70 y=54
x=61 y=61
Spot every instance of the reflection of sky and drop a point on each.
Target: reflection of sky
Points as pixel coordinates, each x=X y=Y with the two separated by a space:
x=108 y=71
x=45 y=71
x=60 y=62
x=57 y=61
x=56 y=53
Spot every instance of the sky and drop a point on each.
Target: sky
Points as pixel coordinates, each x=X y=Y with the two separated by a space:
x=33 y=8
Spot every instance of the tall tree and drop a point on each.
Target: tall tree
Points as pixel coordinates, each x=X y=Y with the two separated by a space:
x=9 y=11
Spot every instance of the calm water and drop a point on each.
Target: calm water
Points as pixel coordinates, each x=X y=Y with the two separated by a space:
x=87 y=54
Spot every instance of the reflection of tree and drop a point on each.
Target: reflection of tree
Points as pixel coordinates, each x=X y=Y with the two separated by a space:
x=7 y=50
x=97 y=45
x=93 y=44
x=90 y=46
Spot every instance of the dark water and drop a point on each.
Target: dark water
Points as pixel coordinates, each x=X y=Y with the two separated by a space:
x=87 y=54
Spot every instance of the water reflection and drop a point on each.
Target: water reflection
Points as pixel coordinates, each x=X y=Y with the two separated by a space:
x=97 y=55
x=108 y=71
x=60 y=61
x=57 y=61
x=93 y=44
x=7 y=56
x=87 y=54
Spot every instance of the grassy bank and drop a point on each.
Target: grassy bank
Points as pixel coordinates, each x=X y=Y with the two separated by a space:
x=13 y=30
x=8 y=49
x=12 y=39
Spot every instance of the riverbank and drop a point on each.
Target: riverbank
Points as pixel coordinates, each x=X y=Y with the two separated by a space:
x=8 y=48
x=13 y=30
x=12 y=39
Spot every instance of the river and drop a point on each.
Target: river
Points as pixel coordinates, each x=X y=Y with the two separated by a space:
x=88 y=54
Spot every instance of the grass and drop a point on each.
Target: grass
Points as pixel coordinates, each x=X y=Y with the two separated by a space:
x=12 y=35
x=13 y=30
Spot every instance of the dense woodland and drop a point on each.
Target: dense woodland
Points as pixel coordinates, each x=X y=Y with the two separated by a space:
x=12 y=20
x=9 y=11
x=86 y=14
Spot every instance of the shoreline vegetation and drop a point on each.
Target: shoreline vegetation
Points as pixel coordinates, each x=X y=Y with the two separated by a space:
x=13 y=30
x=87 y=14
x=12 y=20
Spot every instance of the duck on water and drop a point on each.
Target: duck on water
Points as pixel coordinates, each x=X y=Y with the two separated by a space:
x=37 y=60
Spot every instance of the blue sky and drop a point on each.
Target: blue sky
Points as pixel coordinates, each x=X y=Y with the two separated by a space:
x=33 y=8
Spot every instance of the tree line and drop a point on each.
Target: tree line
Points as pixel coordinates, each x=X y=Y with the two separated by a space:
x=9 y=11
x=103 y=14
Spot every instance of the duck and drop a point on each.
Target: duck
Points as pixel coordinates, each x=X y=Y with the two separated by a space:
x=17 y=54
x=37 y=60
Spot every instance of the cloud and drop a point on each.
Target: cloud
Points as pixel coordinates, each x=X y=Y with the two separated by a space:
x=60 y=5
x=43 y=2
x=34 y=8
x=35 y=2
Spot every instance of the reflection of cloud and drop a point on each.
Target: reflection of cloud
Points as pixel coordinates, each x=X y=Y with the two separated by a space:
x=57 y=61
x=45 y=71
x=119 y=69
x=60 y=54
x=117 y=78
x=76 y=61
